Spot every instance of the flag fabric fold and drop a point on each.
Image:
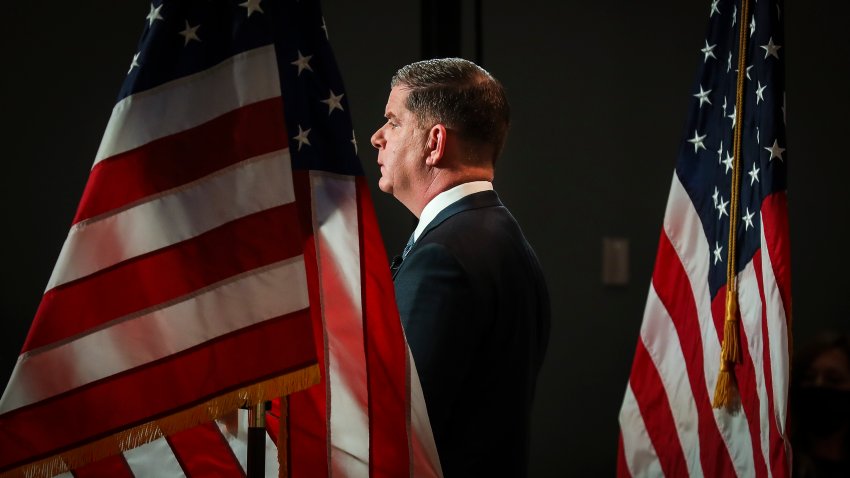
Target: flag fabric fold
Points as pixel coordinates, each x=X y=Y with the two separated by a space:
x=667 y=424
x=224 y=252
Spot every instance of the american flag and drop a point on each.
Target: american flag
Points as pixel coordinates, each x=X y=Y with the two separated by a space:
x=225 y=251
x=667 y=424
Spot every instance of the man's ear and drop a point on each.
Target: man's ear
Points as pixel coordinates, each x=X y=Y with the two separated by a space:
x=435 y=145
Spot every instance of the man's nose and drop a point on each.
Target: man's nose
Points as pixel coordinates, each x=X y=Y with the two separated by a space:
x=377 y=140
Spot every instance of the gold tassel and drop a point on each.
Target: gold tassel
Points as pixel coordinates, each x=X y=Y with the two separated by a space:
x=148 y=432
x=731 y=348
x=724 y=391
x=730 y=354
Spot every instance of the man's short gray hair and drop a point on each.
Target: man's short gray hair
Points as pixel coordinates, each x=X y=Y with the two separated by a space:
x=459 y=94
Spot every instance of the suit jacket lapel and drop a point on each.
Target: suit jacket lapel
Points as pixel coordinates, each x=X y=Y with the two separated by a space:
x=473 y=201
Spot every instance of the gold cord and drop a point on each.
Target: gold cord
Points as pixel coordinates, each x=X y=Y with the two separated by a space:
x=730 y=352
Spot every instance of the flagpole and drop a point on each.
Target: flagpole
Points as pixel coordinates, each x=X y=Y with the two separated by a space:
x=257 y=440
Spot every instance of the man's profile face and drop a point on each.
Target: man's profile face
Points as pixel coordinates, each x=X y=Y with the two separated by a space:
x=401 y=147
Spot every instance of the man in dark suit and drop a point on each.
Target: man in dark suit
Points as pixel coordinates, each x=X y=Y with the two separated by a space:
x=471 y=294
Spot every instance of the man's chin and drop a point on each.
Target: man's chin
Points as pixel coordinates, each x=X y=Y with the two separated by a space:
x=385 y=186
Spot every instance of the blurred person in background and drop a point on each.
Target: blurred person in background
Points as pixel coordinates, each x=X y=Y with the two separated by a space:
x=820 y=408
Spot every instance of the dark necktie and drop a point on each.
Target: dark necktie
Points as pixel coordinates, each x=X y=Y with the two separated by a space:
x=397 y=260
x=407 y=248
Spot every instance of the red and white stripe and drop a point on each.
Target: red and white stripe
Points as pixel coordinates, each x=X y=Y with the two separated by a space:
x=213 y=449
x=368 y=418
x=195 y=176
x=668 y=427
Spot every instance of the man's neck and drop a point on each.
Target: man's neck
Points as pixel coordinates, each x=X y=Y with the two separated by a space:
x=445 y=199
x=443 y=180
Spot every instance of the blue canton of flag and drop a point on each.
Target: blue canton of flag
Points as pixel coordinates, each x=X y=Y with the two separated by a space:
x=705 y=159
x=201 y=34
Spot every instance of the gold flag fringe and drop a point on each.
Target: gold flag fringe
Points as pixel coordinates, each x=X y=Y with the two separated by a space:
x=210 y=410
x=725 y=392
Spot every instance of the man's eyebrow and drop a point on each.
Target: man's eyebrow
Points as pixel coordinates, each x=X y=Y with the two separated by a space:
x=389 y=115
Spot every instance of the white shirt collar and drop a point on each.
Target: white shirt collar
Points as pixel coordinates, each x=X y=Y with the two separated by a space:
x=445 y=199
